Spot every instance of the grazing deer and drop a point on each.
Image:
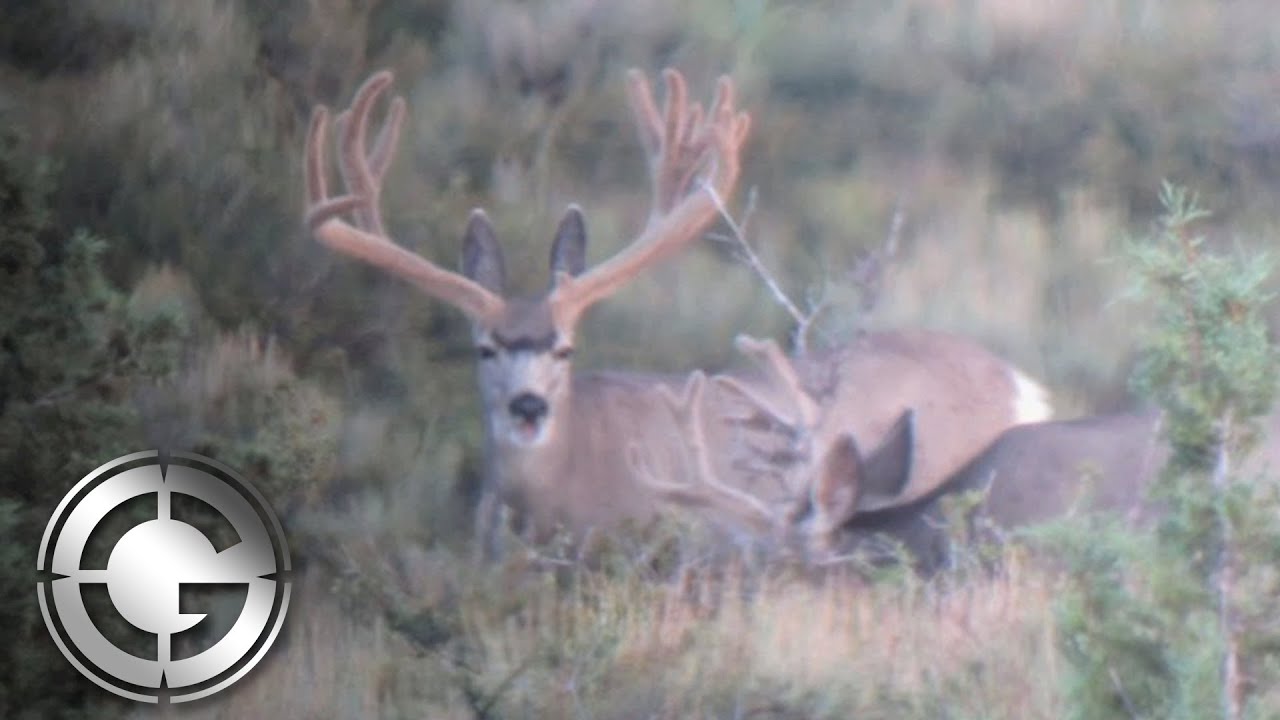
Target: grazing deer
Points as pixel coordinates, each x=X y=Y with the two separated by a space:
x=557 y=442
x=845 y=500
x=818 y=488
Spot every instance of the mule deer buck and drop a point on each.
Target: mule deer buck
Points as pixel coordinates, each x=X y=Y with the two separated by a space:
x=844 y=500
x=557 y=442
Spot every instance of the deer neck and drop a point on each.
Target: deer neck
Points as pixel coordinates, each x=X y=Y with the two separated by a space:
x=521 y=468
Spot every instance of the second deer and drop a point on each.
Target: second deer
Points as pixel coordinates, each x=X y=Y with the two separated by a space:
x=845 y=500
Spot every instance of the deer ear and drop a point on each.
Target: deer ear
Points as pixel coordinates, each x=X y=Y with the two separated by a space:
x=481 y=254
x=839 y=483
x=848 y=483
x=887 y=469
x=569 y=251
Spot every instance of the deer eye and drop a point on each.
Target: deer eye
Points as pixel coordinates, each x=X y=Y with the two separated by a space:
x=486 y=352
x=562 y=353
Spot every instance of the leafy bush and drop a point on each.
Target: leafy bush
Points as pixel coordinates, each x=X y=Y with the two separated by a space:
x=87 y=374
x=1170 y=627
x=63 y=356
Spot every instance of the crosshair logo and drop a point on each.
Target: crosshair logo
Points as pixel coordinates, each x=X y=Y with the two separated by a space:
x=149 y=566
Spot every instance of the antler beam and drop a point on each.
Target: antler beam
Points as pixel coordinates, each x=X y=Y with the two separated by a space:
x=363 y=173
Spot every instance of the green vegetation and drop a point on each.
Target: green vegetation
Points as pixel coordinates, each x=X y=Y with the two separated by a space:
x=1173 y=625
x=66 y=346
x=157 y=288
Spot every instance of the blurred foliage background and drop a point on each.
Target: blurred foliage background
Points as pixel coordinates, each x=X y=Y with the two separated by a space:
x=158 y=287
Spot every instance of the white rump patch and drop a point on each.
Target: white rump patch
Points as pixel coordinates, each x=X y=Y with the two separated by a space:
x=1030 y=399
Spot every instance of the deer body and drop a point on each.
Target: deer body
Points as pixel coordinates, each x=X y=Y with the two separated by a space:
x=1043 y=471
x=1031 y=474
x=962 y=397
x=1039 y=472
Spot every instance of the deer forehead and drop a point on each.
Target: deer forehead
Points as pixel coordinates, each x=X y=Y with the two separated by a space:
x=525 y=325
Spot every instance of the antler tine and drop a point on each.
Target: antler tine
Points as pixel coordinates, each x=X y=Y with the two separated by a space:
x=763 y=405
x=320 y=207
x=362 y=173
x=674 y=140
x=706 y=490
x=688 y=404
x=680 y=142
x=649 y=121
x=770 y=357
x=384 y=145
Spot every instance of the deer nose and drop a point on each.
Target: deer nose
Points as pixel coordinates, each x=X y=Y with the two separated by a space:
x=528 y=407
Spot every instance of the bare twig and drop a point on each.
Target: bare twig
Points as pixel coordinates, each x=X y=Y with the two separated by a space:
x=1124 y=695
x=868 y=271
x=895 y=230
x=737 y=239
x=1225 y=571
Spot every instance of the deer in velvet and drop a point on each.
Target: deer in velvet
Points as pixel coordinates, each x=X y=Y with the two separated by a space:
x=558 y=441
x=841 y=499
x=550 y=433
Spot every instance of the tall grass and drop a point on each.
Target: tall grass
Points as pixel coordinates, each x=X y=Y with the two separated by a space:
x=609 y=647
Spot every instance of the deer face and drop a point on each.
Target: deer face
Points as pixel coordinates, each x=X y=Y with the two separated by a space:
x=525 y=374
x=524 y=346
x=524 y=354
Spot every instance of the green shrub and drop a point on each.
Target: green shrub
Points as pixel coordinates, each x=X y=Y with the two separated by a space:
x=1166 y=624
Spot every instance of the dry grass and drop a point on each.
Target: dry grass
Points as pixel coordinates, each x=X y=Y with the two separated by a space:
x=628 y=647
x=334 y=661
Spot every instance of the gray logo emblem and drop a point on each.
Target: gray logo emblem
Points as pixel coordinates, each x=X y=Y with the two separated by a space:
x=150 y=563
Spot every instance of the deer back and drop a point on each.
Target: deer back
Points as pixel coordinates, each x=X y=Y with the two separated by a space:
x=1040 y=472
x=962 y=397
x=1030 y=474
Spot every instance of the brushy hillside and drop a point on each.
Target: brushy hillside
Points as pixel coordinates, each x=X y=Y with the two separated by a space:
x=158 y=287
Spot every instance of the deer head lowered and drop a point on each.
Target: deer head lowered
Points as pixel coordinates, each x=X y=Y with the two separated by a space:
x=558 y=442
x=824 y=486
x=841 y=500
